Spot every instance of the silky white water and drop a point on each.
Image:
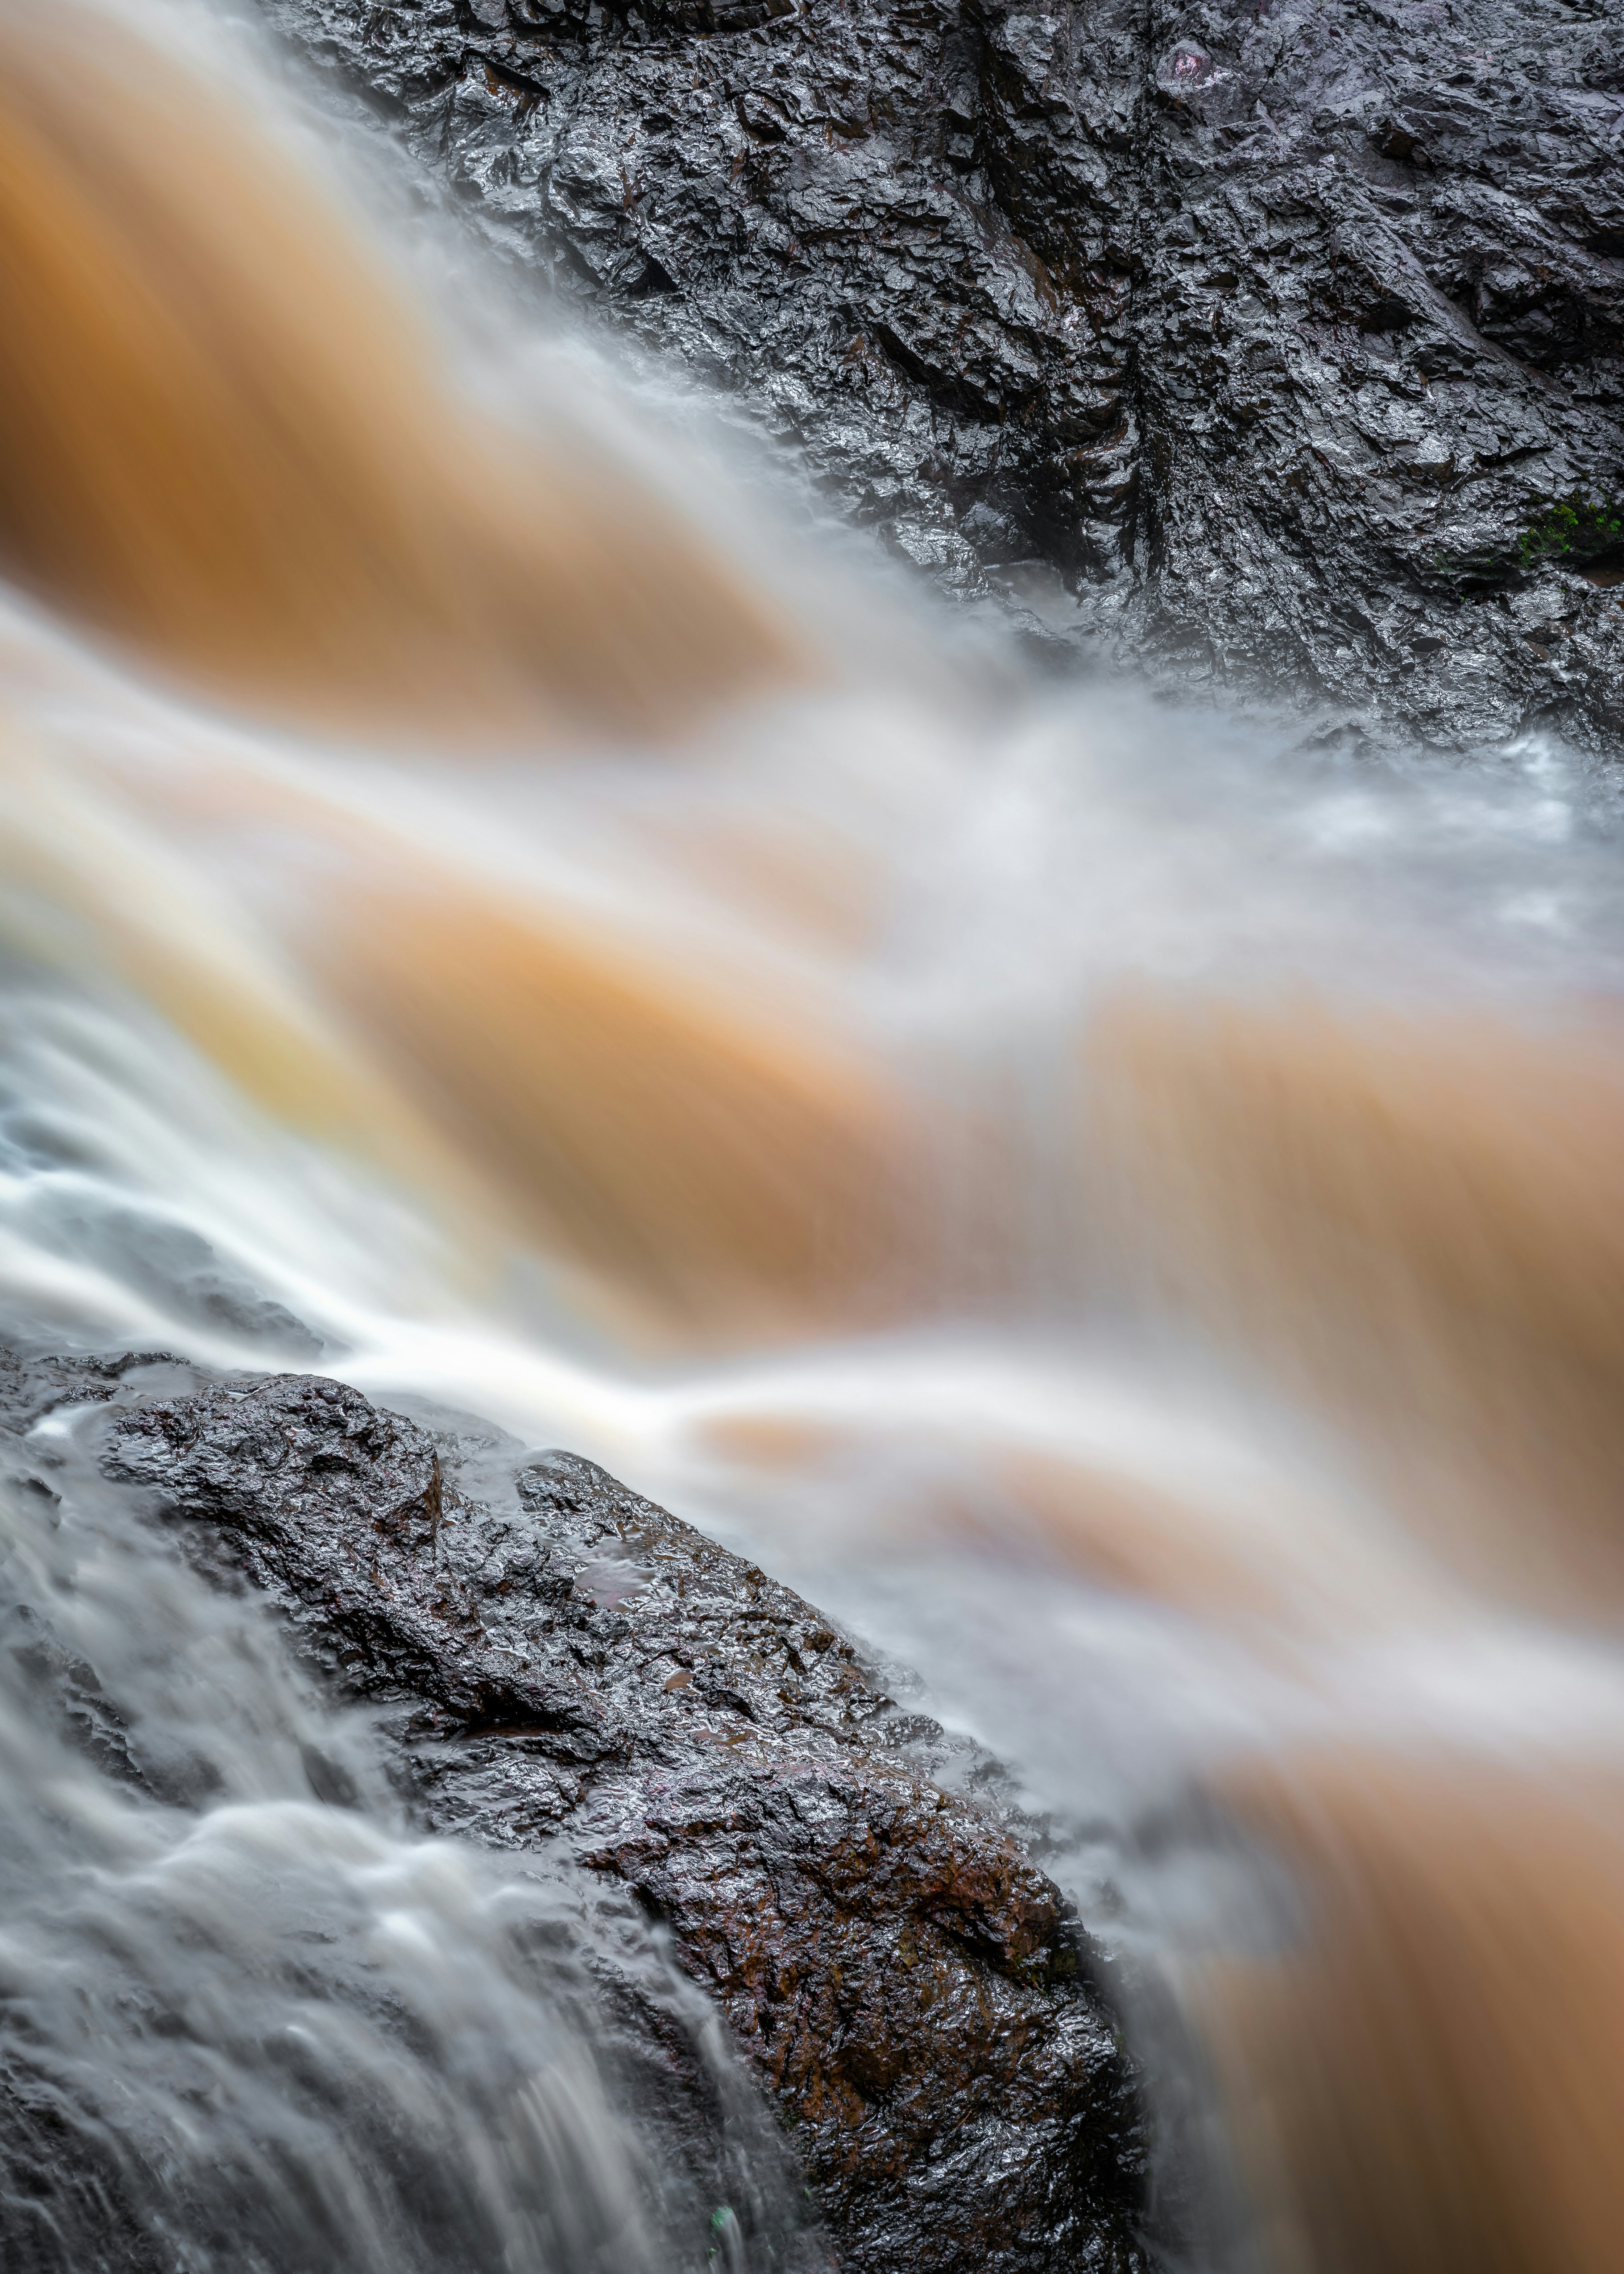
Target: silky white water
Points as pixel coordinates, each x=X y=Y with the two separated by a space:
x=1119 y=1203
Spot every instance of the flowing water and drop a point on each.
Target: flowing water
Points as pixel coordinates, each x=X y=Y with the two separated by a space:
x=1122 y=1206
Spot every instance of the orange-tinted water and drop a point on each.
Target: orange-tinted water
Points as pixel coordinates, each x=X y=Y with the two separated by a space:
x=574 y=988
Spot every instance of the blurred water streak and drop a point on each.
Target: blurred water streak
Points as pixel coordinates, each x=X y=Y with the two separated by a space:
x=1124 y=1205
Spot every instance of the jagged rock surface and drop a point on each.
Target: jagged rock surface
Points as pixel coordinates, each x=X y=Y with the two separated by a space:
x=1273 y=326
x=564 y=1661
x=135 y=2113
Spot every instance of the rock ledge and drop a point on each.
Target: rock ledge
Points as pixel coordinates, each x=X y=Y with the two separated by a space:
x=559 y=1659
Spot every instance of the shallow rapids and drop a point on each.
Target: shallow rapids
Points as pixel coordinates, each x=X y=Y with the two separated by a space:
x=1125 y=1206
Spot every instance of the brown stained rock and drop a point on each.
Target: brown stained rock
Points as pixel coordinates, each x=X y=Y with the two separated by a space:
x=909 y=1988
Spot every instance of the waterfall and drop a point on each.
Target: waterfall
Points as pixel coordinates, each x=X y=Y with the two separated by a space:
x=1121 y=1204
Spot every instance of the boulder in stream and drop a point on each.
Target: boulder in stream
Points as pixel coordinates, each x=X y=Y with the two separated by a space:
x=557 y=1660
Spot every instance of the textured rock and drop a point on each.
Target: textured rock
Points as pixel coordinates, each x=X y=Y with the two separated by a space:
x=563 y=1661
x=1273 y=326
x=144 y=2040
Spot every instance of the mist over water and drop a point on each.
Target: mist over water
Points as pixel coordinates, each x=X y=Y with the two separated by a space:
x=1119 y=1203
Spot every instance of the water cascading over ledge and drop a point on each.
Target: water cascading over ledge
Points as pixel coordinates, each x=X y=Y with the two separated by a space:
x=1120 y=1211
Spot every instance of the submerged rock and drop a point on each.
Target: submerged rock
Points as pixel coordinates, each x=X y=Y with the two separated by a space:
x=557 y=1660
x=1286 y=332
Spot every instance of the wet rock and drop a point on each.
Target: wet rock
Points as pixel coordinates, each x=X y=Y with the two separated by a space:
x=138 y=2094
x=561 y=1661
x=1277 y=329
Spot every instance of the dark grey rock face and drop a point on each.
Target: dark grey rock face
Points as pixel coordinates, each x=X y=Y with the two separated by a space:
x=171 y=2043
x=1380 y=326
x=563 y=1661
x=1280 y=328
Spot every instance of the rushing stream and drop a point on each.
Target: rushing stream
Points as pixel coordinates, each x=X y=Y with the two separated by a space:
x=1121 y=1207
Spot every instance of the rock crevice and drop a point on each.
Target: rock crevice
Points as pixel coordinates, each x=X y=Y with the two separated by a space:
x=1270 y=328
